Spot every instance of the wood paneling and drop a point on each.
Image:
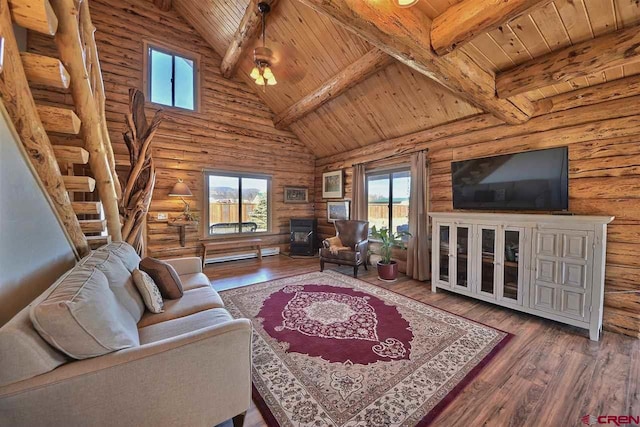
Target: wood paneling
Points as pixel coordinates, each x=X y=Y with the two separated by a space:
x=232 y=131
x=559 y=24
x=604 y=172
x=311 y=49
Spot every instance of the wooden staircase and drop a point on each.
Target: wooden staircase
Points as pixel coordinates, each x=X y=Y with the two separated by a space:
x=89 y=223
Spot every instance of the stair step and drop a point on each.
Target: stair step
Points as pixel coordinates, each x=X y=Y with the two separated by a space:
x=93 y=225
x=60 y=120
x=87 y=208
x=71 y=154
x=36 y=15
x=97 y=241
x=45 y=70
x=79 y=184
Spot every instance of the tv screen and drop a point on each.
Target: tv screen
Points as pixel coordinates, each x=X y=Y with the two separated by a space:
x=533 y=180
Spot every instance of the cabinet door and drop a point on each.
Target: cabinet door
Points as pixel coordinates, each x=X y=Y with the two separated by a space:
x=443 y=255
x=462 y=256
x=562 y=271
x=511 y=265
x=487 y=261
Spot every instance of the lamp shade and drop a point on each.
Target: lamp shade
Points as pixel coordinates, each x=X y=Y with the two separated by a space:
x=181 y=189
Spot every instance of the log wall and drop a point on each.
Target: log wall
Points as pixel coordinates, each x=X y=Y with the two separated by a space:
x=604 y=178
x=233 y=130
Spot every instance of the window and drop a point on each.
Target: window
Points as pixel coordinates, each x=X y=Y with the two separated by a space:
x=388 y=199
x=238 y=203
x=172 y=79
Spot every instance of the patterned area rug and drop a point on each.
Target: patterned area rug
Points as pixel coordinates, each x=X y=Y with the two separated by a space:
x=330 y=350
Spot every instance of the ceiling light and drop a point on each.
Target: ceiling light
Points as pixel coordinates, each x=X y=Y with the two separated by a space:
x=405 y=3
x=261 y=73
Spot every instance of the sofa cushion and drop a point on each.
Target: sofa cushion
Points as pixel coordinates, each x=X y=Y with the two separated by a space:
x=350 y=256
x=193 y=281
x=165 y=277
x=23 y=352
x=183 y=325
x=120 y=281
x=82 y=317
x=149 y=291
x=193 y=301
x=125 y=252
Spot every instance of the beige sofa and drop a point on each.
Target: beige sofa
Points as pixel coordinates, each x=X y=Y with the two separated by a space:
x=191 y=367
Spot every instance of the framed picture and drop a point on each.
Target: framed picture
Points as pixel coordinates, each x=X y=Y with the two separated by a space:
x=296 y=194
x=338 y=210
x=332 y=185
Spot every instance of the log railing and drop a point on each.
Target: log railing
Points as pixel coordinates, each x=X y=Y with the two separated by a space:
x=18 y=101
x=78 y=52
x=78 y=69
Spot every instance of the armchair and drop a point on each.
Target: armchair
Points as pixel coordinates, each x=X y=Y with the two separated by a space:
x=349 y=247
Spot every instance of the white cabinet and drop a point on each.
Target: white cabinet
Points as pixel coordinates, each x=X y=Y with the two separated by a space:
x=547 y=265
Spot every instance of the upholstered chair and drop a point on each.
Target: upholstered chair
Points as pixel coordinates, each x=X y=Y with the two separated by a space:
x=349 y=247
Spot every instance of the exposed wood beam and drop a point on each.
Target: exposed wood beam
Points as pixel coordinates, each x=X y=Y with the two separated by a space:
x=583 y=59
x=486 y=128
x=465 y=20
x=163 y=5
x=404 y=34
x=616 y=89
x=247 y=30
x=371 y=62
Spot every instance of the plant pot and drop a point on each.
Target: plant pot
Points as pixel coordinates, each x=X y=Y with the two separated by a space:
x=388 y=271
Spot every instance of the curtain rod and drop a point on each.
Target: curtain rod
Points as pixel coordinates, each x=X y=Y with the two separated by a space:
x=391 y=157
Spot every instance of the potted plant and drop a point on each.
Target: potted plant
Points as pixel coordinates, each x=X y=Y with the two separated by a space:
x=388 y=268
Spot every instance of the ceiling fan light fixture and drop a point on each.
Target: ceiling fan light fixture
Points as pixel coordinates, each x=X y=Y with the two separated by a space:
x=261 y=73
x=405 y=3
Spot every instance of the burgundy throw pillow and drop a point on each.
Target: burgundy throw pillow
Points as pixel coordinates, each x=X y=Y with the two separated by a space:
x=164 y=275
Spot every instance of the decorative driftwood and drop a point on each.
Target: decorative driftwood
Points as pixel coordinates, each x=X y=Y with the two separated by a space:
x=138 y=190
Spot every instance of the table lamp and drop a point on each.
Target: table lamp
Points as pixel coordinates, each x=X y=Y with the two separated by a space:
x=182 y=190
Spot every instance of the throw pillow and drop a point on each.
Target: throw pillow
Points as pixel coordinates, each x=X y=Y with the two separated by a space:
x=82 y=318
x=165 y=277
x=149 y=291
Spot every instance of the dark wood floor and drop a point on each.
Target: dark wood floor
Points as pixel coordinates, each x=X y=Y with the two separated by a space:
x=548 y=375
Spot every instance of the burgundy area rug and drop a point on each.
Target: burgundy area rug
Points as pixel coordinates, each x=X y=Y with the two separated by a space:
x=330 y=350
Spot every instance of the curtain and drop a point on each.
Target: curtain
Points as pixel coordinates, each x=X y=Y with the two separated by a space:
x=359 y=197
x=418 y=261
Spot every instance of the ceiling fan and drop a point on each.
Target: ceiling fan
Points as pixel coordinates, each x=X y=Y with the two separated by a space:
x=280 y=61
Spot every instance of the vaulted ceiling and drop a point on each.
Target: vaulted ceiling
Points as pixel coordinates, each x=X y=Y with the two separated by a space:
x=311 y=48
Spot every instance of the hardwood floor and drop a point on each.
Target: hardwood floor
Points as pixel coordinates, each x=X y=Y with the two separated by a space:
x=548 y=375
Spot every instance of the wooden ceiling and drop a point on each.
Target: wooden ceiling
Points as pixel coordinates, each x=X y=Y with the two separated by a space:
x=310 y=48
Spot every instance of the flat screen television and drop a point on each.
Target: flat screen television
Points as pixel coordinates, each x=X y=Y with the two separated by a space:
x=533 y=181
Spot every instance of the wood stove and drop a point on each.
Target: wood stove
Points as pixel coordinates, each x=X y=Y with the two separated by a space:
x=303 y=236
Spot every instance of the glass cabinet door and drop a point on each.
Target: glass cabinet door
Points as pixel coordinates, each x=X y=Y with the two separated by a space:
x=462 y=259
x=512 y=269
x=487 y=260
x=444 y=232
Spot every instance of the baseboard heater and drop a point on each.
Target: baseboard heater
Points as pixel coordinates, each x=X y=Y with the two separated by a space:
x=242 y=255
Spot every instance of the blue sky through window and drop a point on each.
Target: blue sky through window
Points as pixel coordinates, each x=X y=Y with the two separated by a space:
x=162 y=80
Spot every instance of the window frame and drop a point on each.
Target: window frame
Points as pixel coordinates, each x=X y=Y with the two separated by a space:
x=173 y=51
x=389 y=173
x=235 y=174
